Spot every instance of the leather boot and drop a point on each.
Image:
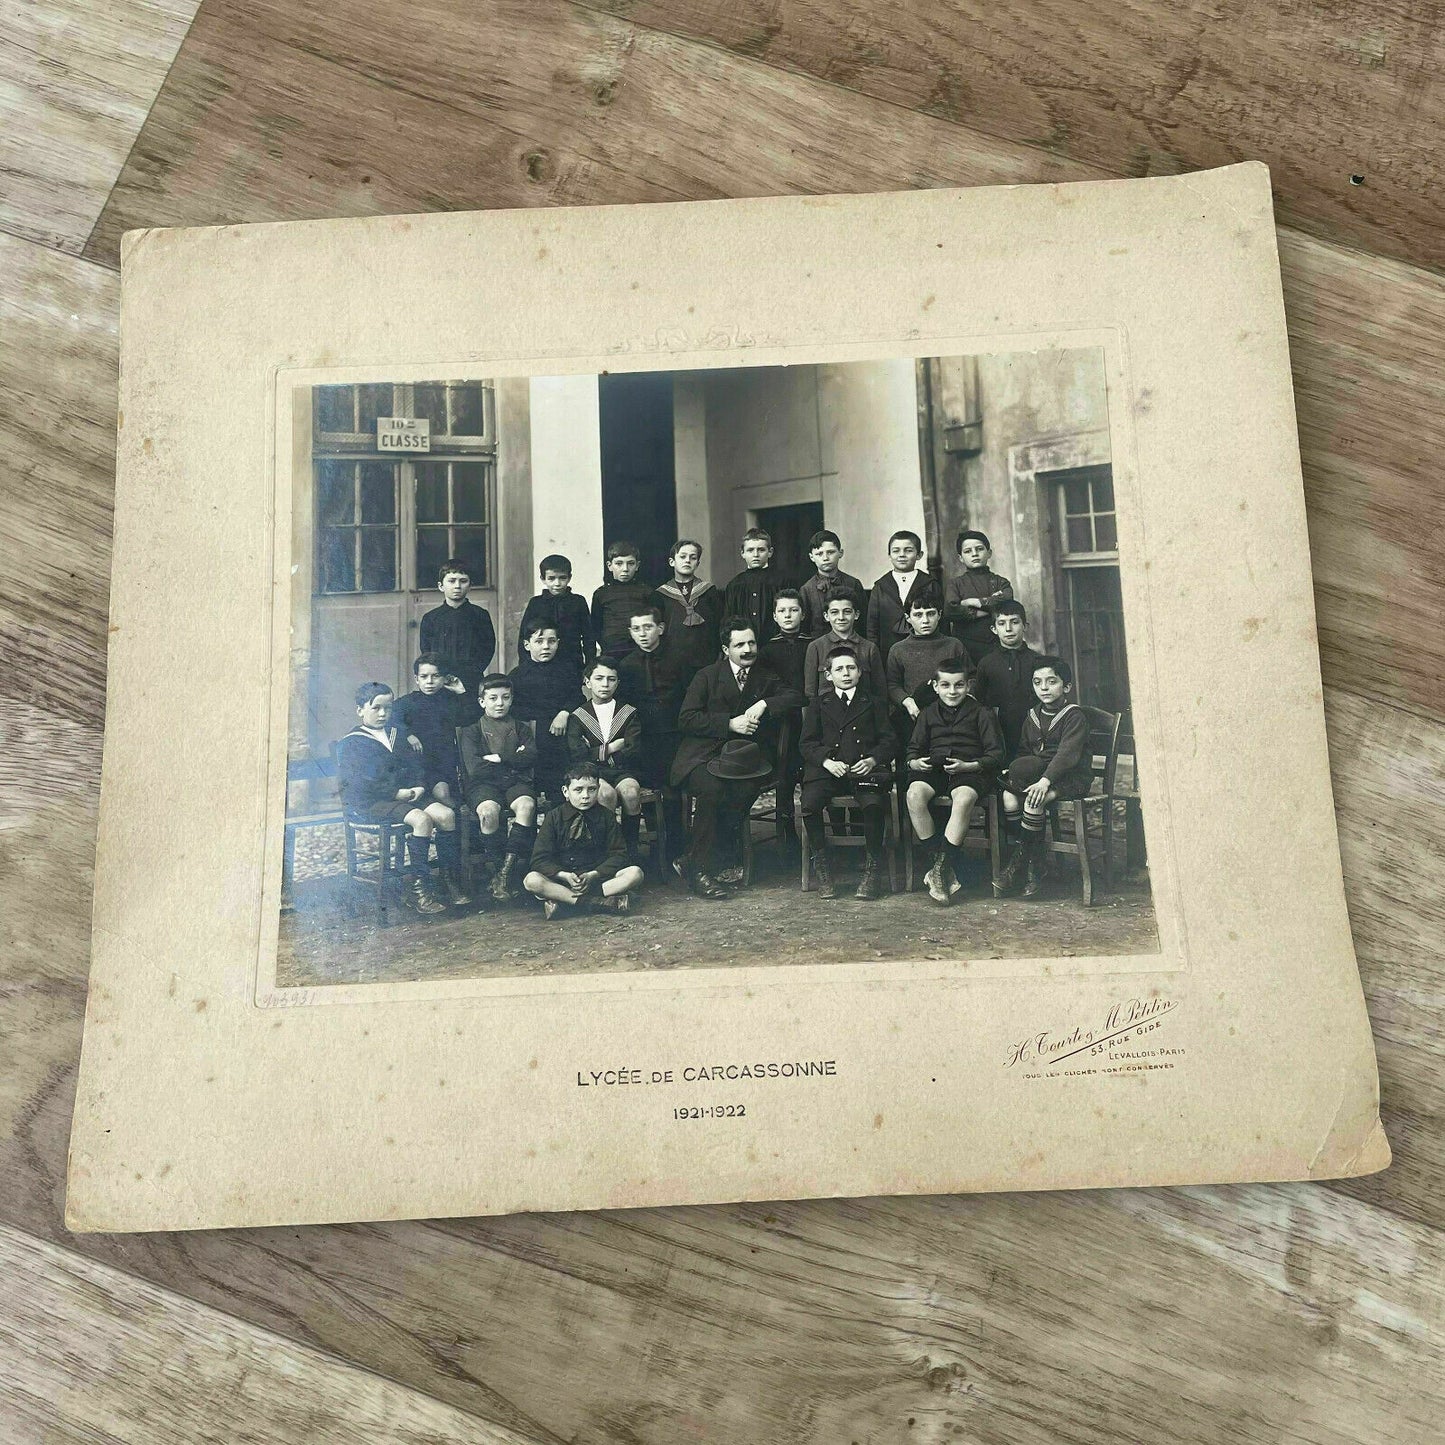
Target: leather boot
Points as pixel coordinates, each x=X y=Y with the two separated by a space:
x=821 y=876
x=419 y=894
x=870 y=885
x=457 y=887
x=1034 y=878
x=1008 y=876
x=503 y=882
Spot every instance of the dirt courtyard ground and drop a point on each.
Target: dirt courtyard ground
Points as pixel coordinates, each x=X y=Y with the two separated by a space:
x=332 y=936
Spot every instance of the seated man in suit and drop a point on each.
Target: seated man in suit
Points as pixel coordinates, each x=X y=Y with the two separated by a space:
x=727 y=727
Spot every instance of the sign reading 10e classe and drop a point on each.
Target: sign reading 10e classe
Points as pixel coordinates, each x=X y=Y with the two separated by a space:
x=403 y=434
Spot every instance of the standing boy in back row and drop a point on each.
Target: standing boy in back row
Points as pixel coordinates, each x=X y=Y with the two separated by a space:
x=829 y=581
x=459 y=632
x=750 y=594
x=888 y=601
x=560 y=608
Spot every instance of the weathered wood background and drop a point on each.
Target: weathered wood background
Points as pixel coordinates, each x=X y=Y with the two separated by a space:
x=1246 y=1314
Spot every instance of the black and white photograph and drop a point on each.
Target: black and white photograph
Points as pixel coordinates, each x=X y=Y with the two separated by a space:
x=739 y=666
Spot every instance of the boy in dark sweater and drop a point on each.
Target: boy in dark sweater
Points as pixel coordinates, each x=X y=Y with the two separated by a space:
x=499 y=757
x=579 y=853
x=383 y=780
x=786 y=652
x=614 y=602
x=691 y=609
x=913 y=661
x=545 y=689
x=1053 y=765
x=887 y=621
x=972 y=596
x=750 y=594
x=608 y=735
x=955 y=752
x=432 y=712
x=459 y=632
x=1004 y=680
x=650 y=678
x=842 y=628
x=562 y=609
x=828 y=581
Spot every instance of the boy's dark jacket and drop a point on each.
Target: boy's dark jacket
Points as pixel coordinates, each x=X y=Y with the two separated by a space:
x=845 y=732
x=369 y=773
x=713 y=700
x=887 y=620
x=1005 y=680
x=613 y=604
x=573 y=840
x=653 y=682
x=982 y=585
x=585 y=746
x=967 y=732
x=569 y=614
x=751 y=594
x=696 y=645
x=463 y=637
x=787 y=653
x=911 y=664
x=818 y=591
x=540 y=690
x=434 y=719
x=512 y=739
x=1062 y=740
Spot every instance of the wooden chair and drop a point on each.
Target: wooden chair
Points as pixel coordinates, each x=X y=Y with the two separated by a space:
x=849 y=805
x=656 y=799
x=1135 y=851
x=1104 y=750
x=305 y=770
x=689 y=802
x=985 y=826
x=391 y=860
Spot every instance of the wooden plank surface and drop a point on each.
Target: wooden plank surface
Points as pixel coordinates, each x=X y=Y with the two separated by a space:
x=1281 y=1314
x=89 y=1354
x=76 y=81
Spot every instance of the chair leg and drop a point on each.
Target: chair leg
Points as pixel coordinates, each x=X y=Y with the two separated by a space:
x=805 y=847
x=1081 y=841
x=995 y=843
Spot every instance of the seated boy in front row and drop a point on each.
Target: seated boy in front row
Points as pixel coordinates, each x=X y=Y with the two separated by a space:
x=1054 y=764
x=608 y=735
x=499 y=756
x=955 y=752
x=383 y=780
x=546 y=686
x=580 y=853
x=846 y=744
x=431 y=713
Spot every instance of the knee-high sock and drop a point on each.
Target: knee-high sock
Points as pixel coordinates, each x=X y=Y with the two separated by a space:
x=520 y=837
x=631 y=830
x=449 y=853
x=417 y=852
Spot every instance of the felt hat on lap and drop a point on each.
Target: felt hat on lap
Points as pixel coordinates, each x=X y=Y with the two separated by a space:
x=740 y=758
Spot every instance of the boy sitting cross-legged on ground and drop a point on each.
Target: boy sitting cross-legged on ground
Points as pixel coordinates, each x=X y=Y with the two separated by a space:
x=383 y=780
x=499 y=754
x=579 y=853
x=846 y=744
x=955 y=752
x=1053 y=765
x=608 y=735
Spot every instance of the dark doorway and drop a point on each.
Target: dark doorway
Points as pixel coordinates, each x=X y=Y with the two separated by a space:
x=639 y=488
x=790 y=527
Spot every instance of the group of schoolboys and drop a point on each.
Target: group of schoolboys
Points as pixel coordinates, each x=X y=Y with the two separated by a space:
x=685 y=688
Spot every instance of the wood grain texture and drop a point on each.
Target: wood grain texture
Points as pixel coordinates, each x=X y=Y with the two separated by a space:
x=567 y=106
x=76 y=81
x=90 y=1354
x=1320 y=93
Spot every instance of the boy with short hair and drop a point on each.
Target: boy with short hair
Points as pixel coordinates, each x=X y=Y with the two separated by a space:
x=562 y=609
x=691 y=609
x=607 y=734
x=888 y=601
x=1005 y=676
x=913 y=661
x=383 y=780
x=1054 y=764
x=846 y=743
x=650 y=679
x=842 y=618
x=431 y=713
x=579 y=853
x=459 y=632
x=750 y=594
x=499 y=756
x=955 y=751
x=786 y=652
x=546 y=686
x=971 y=597
x=827 y=582
x=614 y=602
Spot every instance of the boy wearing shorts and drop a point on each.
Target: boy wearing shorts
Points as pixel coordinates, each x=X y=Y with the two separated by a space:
x=499 y=755
x=608 y=735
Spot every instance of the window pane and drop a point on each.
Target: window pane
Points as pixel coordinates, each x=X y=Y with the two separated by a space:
x=431 y=493
x=1105 y=533
x=378 y=492
x=335 y=493
x=469 y=492
x=375 y=401
x=378 y=559
x=467 y=410
x=333 y=409
x=471 y=545
x=1104 y=491
x=338 y=566
x=1076 y=496
x=1080 y=536
x=431 y=552
x=429 y=399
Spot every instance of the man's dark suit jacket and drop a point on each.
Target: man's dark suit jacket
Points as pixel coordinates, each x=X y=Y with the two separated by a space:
x=845 y=733
x=713 y=700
